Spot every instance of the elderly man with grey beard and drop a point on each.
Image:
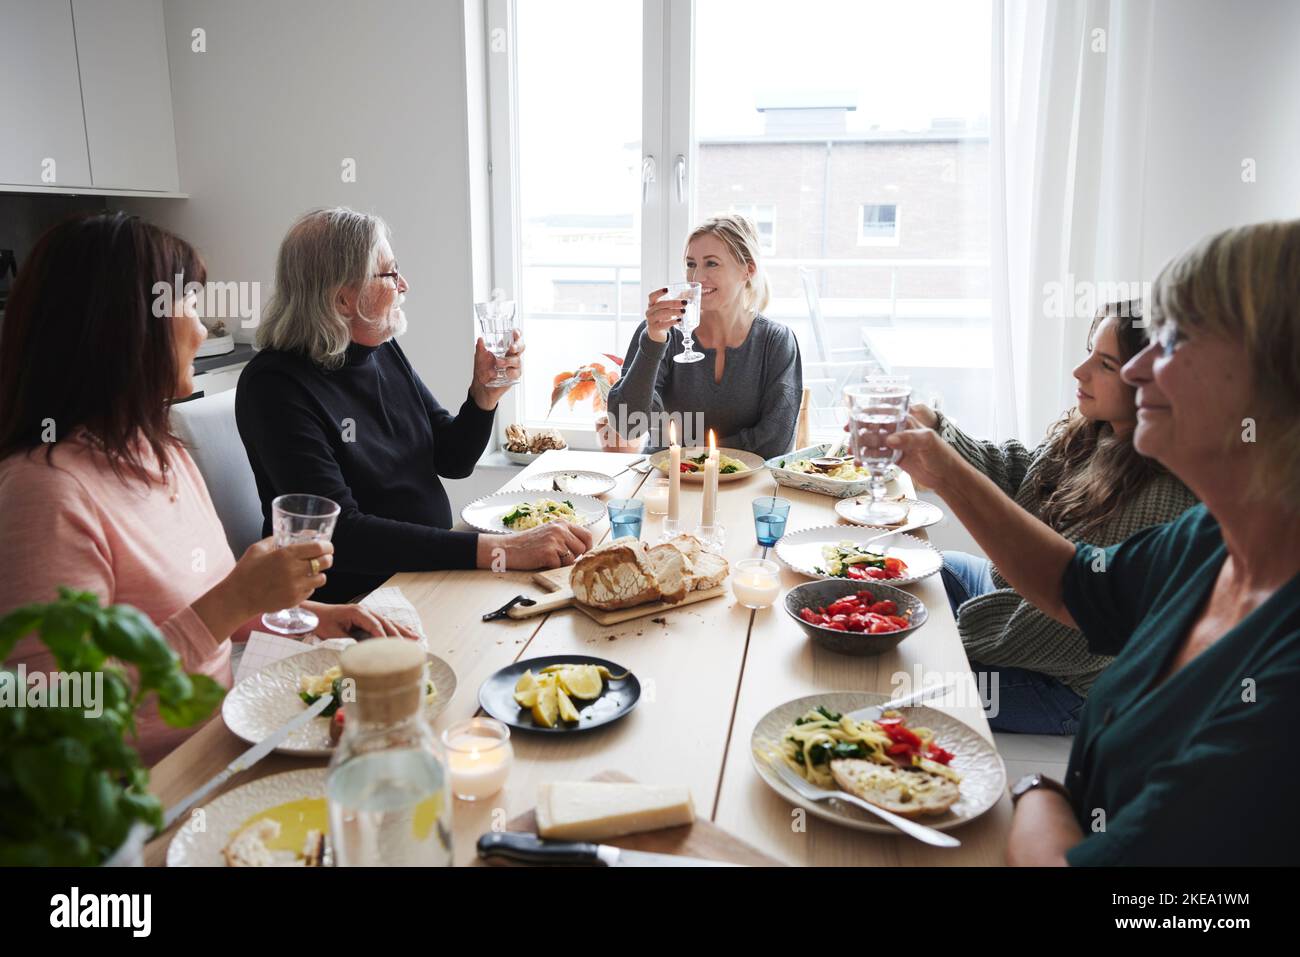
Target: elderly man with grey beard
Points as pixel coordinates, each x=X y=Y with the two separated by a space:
x=331 y=406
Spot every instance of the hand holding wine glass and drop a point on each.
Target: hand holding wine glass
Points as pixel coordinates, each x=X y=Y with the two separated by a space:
x=664 y=313
x=297 y=521
x=928 y=459
x=690 y=294
x=498 y=326
x=489 y=367
x=268 y=576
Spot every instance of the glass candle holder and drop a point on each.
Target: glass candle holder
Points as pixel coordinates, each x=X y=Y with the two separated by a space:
x=756 y=582
x=656 y=498
x=479 y=757
x=712 y=537
x=672 y=527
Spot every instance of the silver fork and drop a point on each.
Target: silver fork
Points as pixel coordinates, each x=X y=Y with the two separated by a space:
x=889 y=534
x=805 y=789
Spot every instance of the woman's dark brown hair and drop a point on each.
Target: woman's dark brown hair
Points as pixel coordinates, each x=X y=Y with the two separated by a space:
x=81 y=347
x=1088 y=471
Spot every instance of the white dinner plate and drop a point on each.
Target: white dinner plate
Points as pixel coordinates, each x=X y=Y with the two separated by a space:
x=200 y=841
x=577 y=482
x=920 y=514
x=983 y=776
x=753 y=463
x=485 y=514
x=802 y=551
x=265 y=700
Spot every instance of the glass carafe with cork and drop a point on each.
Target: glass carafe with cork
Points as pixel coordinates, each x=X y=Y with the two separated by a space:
x=389 y=799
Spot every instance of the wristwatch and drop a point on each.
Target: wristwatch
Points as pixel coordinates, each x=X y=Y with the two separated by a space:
x=1032 y=782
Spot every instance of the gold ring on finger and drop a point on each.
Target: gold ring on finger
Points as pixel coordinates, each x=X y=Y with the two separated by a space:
x=315 y=567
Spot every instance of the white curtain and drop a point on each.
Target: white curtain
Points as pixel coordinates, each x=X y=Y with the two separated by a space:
x=1068 y=126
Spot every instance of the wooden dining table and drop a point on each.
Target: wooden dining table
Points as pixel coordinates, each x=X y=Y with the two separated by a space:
x=709 y=671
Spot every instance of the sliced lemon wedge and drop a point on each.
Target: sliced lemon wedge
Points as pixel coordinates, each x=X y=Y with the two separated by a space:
x=547 y=707
x=567 y=711
x=582 y=681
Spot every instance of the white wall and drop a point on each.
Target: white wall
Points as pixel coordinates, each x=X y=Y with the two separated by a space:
x=1225 y=84
x=286 y=91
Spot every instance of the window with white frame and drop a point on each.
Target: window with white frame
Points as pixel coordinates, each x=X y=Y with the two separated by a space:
x=603 y=162
x=764 y=219
x=878 y=224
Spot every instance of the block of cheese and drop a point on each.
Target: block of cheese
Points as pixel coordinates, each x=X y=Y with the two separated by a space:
x=599 y=810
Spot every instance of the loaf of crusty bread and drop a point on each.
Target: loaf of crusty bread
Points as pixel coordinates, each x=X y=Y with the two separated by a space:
x=909 y=793
x=617 y=574
x=625 y=572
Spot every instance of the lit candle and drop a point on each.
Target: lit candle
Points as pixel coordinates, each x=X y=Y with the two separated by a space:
x=479 y=757
x=710 y=483
x=674 y=472
x=756 y=582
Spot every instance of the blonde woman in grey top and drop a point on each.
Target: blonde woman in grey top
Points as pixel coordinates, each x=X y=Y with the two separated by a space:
x=1089 y=484
x=748 y=388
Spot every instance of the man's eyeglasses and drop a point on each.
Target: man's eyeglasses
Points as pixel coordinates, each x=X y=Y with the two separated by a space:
x=392 y=274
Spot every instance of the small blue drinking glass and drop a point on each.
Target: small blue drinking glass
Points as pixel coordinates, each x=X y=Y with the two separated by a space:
x=769 y=519
x=625 y=517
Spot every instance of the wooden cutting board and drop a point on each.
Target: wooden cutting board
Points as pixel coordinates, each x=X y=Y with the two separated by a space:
x=702 y=839
x=556 y=582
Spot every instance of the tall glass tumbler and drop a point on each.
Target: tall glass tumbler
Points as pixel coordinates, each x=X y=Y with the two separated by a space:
x=625 y=517
x=770 y=515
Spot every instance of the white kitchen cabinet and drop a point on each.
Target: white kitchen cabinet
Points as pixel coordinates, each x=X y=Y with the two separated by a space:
x=126 y=93
x=42 y=116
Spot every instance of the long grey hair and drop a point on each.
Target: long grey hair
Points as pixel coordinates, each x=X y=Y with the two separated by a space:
x=323 y=252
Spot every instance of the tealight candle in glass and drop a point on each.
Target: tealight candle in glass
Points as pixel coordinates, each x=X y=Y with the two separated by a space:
x=756 y=582
x=656 y=498
x=479 y=756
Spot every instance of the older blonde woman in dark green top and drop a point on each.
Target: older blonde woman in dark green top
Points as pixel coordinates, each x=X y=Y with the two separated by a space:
x=1185 y=750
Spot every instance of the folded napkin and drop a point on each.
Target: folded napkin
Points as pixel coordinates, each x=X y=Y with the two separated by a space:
x=263 y=649
x=393 y=605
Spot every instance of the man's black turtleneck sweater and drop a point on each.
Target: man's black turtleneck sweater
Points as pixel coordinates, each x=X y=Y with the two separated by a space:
x=370 y=436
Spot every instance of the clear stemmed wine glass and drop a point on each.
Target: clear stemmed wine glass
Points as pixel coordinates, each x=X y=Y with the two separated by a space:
x=691 y=292
x=296 y=519
x=496 y=321
x=877 y=409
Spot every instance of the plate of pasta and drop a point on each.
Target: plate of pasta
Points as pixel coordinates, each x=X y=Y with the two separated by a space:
x=733 y=464
x=508 y=512
x=919 y=762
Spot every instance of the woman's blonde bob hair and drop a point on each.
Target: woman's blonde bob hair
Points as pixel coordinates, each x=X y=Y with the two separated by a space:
x=741 y=238
x=1243 y=284
x=323 y=252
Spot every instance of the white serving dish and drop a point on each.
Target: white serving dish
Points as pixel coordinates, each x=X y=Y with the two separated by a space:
x=821 y=484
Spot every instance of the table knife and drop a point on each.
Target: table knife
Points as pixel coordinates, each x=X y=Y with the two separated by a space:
x=246 y=760
x=925 y=694
x=526 y=848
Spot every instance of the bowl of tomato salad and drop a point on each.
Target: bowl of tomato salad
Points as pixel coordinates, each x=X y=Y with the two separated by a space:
x=855 y=617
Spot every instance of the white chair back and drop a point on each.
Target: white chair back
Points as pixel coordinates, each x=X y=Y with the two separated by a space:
x=207 y=426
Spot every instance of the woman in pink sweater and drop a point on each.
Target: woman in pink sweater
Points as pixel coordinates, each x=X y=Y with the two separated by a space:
x=96 y=493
